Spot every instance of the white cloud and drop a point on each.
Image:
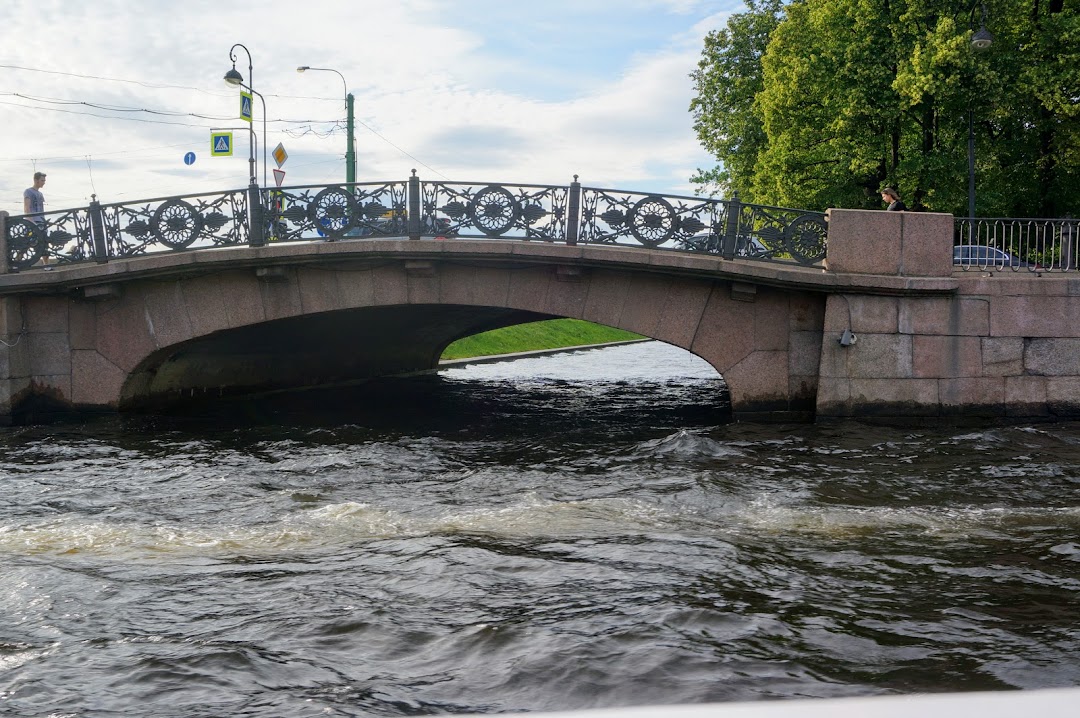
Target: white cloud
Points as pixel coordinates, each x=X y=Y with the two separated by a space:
x=471 y=91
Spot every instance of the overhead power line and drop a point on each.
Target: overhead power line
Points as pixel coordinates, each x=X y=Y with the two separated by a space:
x=109 y=108
x=155 y=86
x=179 y=114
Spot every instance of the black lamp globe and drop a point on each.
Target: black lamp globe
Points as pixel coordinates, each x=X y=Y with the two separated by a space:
x=982 y=39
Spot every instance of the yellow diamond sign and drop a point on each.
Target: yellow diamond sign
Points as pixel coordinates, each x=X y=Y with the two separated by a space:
x=280 y=155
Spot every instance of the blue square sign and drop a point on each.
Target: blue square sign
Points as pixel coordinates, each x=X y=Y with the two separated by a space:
x=221 y=144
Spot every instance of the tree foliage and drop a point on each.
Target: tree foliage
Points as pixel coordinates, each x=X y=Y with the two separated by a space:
x=820 y=103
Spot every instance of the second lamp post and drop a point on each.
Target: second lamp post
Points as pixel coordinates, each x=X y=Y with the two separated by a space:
x=350 y=146
x=980 y=40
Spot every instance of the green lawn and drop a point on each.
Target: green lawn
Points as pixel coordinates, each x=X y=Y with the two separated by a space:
x=550 y=334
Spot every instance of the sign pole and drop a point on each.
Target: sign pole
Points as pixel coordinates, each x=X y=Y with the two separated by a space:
x=350 y=151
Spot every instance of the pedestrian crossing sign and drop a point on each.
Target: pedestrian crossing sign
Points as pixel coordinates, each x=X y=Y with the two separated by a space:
x=245 y=106
x=221 y=144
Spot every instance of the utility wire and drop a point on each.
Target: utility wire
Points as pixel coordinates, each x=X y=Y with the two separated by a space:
x=115 y=108
x=107 y=117
x=109 y=79
x=154 y=86
x=372 y=130
x=164 y=113
x=96 y=154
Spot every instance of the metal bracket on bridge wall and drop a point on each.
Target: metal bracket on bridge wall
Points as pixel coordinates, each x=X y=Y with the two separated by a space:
x=101 y=292
x=567 y=273
x=742 y=292
x=419 y=268
x=272 y=274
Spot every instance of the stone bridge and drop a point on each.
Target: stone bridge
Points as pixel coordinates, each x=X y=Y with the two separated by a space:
x=152 y=331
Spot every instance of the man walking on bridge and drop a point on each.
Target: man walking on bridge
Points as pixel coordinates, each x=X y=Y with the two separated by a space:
x=34 y=201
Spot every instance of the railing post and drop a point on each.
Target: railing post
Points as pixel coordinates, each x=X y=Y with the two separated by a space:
x=97 y=231
x=4 y=266
x=573 y=212
x=256 y=228
x=731 y=226
x=414 y=206
x=1068 y=250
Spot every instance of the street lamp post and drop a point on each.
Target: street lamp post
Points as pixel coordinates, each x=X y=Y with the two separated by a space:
x=235 y=79
x=256 y=233
x=980 y=40
x=350 y=146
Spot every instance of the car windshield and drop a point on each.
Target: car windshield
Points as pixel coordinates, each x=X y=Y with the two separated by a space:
x=972 y=253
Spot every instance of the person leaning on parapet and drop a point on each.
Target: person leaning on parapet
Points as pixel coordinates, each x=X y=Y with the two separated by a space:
x=893 y=198
x=34 y=200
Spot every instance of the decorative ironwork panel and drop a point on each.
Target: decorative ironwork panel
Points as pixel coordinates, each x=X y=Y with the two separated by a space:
x=780 y=233
x=494 y=210
x=658 y=222
x=654 y=221
x=176 y=223
x=376 y=209
x=51 y=238
x=701 y=225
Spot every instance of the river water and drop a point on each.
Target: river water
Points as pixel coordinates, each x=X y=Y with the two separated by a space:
x=581 y=530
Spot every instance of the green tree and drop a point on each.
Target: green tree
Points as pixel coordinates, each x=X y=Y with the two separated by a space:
x=851 y=95
x=728 y=79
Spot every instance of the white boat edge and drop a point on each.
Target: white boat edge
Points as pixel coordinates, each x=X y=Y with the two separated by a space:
x=1044 y=703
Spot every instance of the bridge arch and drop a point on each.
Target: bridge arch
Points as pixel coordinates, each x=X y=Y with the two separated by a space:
x=933 y=341
x=165 y=339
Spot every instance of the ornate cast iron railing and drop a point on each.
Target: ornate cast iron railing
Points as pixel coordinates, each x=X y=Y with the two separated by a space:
x=490 y=210
x=725 y=227
x=1031 y=245
x=101 y=232
x=336 y=211
x=569 y=214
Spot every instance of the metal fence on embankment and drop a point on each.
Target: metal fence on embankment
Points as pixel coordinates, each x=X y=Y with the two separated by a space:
x=1019 y=245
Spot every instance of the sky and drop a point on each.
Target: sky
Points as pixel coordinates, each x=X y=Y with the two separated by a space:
x=108 y=97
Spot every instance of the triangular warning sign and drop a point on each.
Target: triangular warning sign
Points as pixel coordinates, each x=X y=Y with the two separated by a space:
x=222 y=144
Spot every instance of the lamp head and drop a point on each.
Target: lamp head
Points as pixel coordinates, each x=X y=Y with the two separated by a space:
x=234 y=78
x=982 y=39
x=303 y=67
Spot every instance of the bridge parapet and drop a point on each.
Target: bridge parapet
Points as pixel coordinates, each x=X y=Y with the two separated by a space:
x=909 y=244
x=569 y=214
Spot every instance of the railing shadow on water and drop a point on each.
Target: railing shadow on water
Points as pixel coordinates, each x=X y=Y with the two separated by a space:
x=569 y=214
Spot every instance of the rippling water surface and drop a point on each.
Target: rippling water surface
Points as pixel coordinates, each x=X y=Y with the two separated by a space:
x=565 y=532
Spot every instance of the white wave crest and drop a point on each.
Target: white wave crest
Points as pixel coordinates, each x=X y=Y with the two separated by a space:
x=684 y=444
x=346 y=523
x=838 y=520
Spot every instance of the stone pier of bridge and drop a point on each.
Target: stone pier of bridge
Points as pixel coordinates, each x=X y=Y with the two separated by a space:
x=996 y=345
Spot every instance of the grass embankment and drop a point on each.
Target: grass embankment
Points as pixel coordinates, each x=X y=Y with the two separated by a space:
x=549 y=334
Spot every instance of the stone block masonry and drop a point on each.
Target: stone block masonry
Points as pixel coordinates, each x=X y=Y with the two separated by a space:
x=1003 y=345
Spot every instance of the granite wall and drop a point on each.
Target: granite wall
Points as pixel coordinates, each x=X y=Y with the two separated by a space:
x=1002 y=345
